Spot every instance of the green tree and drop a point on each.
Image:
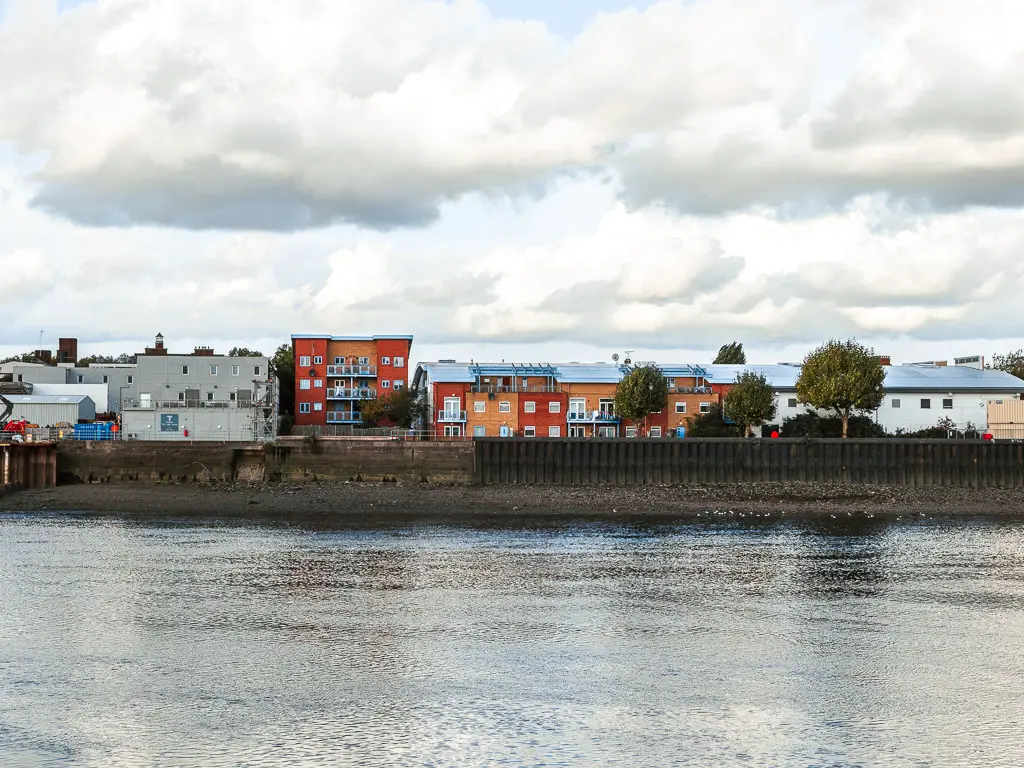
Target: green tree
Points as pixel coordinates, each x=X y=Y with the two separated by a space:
x=1011 y=362
x=731 y=354
x=750 y=401
x=373 y=412
x=123 y=359
x=811 y=424
x=403 y=408
x=842 y=376
x=710 y=424
x=26 y=357
x=641 y=392
x=245 y=352
x=282 y=365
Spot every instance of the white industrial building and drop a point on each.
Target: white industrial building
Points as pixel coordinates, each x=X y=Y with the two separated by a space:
x=917 y=395
x=49 y=410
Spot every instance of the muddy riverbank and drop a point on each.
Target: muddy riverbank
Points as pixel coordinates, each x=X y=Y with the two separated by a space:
x=424 y=501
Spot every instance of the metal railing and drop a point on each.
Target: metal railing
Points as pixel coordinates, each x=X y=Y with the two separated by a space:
x=360 y=393
x=351 y=370
x=343 y=417
x=587 y=417
x=502 y=389
x=153 y=405
x=449 y=417
x=689 y=390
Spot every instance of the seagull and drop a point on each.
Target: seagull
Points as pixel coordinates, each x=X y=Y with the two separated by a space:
x=833 y=517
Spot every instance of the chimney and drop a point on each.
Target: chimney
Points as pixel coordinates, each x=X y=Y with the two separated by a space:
x=67 y=350
x=158 y=346
x=202 y=352
x=885 y=360
x=159 y=341
x=44 y=356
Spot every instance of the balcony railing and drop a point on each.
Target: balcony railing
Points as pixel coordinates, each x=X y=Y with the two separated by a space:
x=449 y=417
x=351 y=370
x=343 y=417
x=360 y=393
x=155 y=405
x=689 y=390
x=591 y=417
x=501 y=389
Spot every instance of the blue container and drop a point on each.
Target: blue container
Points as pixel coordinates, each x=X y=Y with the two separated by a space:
x=100 y=430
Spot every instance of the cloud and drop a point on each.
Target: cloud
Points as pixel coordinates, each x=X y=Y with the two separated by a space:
x=382 y=113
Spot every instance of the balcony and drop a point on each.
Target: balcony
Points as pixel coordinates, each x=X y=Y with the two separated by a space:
x=343 y=417
x=352 y=370
x=502 y=389
x=163 y=405
x=450 y=417
x=689 y=390
x=352 y=394
x=591 y=417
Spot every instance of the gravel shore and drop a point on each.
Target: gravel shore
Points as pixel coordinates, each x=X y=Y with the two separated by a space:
x=363 y=501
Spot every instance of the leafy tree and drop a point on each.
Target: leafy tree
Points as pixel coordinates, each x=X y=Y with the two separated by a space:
x=282 y=365
x=26 y=357
x=374 y=411
x=245 y=352
x=811 y=424
x=641 y=392
x=403 y=408
x=731 y=354
x=123 y=359
x=750 y=401
x=1011 y=362
x=710 y=424
x=842 y=376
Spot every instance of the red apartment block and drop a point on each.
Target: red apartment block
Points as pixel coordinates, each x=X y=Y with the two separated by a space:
x=333 y=374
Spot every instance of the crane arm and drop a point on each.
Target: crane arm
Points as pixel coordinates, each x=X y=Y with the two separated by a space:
x=6 y=409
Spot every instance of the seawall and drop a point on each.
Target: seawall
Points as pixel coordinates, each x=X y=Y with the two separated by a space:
x=301 y=460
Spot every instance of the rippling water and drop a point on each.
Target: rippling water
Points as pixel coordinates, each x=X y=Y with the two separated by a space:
x=177 y=643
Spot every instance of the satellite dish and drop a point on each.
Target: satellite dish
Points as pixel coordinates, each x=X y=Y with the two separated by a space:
x=615 y=357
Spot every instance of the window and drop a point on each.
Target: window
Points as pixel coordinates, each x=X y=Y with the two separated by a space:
x=896 y=402
x=234 y=370
x=479 y=431
x=529 y=407
x=526 y=382
x=926 y=403
x=671 y=383
x=364 y=361
x=399 y=362
x=232 y=397
x=255 y=370
x=318 y=406
x=81 y=378
x=577 y=408
x=318 y=383
x=213 y=370
x=607 y=431
x=385 y=384
x=304 y=361
x=303 y=407
x=318 y=360
x=554 y=431
x=106 y=379
x=304 y=384
x=655 y=431
x=680 y=407
x=792 y=402
x=209 y=396
x=398 y=385
x=339 y=361
x=385 y=360
x=504 y=407
x=554 y=407
x=184 y=370
x=630 y=431
x=453 y=430
x=181 y=395
x=705 y=407
x=131 y=379
x=529 y=431
x=479 y=406
x=947 y=403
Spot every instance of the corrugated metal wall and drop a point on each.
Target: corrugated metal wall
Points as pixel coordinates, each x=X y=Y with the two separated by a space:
x=1006 y=419
x=47 y=414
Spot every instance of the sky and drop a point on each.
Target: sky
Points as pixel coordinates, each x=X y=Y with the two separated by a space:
x=514 y=179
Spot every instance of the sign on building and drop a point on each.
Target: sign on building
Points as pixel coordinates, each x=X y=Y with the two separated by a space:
x=168 y=422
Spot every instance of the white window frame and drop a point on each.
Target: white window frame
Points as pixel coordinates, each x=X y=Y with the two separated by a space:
x=318 y=406
x=479 y=431
x=234 y=370
x=397 y=385
x=318 y=360
x=386 y=360
x=318 y=383
x=106 y=379
x=630 y=432
x=305 y=384
x=232 y=396
x=184 y=370
x=530 y=406
x=705 y=408
x=655 y=432
x=681 y=408
x=505 y=406
x=213 y=370
x=927 y=400
x=792 y=402
x=578 y=406
x=385 y=384
x=479 y=406
x=399 y=362
x=303 y=407
x=555 y=406
x=529 y=431
x=256 y=370
x=947 y=400
x=364 y=361
x=554 y=431
x=304 y=361
x=131 y=379
x=81 y=378
x=209 y=397
x=453 y=430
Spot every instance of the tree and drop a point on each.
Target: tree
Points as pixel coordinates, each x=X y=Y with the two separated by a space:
x=731 y=354
x=710 y=424
x=641 y=392
x=246 y=352
x=282 y=365
x=811 y=424
x=403 y=408
x=750 y=401
x=26 y=357
x=842 y=376
x=1011 y=362
x=373 y=411
x=123 y=359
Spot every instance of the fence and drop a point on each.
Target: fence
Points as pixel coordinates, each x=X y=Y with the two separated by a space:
x=969 y=463
x=376 y=433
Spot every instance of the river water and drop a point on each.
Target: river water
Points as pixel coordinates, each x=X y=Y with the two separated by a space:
x=126 y=642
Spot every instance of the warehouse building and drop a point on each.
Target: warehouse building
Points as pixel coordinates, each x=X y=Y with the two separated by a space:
x=49 y=410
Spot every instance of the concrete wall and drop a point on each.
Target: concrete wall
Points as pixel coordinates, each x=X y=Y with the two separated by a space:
x=290 y=460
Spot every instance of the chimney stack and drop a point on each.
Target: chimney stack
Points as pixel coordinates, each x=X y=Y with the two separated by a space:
x=158 y=346
x=885 y=360
x=67 y=350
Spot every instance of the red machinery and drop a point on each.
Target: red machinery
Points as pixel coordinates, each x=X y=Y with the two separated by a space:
x=7 y=426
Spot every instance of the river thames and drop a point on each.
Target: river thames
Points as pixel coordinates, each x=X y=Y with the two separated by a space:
x=181 y=642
